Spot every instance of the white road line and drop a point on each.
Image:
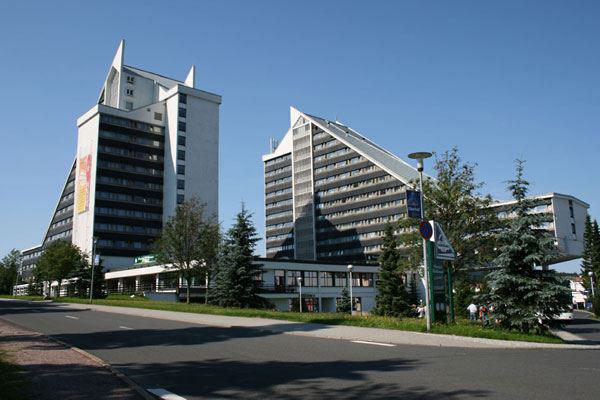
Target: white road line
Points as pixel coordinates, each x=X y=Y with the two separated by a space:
x=165 y=394
x=374 y=343
x=70 y=316
x=125 y=327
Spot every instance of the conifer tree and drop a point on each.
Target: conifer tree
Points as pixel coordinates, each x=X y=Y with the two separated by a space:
x=589 y=249
x=237 y=281
x=595 y=249
x=344 y=303
x=521 y=293
x=392 y=298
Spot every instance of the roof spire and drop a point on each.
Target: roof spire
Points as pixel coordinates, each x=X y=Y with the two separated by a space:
x=190 y=79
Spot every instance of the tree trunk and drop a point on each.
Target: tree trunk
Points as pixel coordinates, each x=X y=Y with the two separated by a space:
x=187 y=300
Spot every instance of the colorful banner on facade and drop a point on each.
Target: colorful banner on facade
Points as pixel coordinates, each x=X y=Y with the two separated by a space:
x=84 y=176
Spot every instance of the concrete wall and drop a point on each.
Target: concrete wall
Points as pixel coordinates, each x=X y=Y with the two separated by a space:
x=202 y=152
x=571 y=244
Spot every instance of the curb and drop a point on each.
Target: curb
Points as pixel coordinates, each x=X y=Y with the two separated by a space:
x=128 y=381
x=438 y=340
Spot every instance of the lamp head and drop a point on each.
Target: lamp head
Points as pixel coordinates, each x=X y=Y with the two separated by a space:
x=590 y=274
x=350 y=267
x=420 y=156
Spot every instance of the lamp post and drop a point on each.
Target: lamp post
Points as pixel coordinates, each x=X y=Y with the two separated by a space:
x=94 y=242
x=420 y=156
x=350 y=268
x=591 y=275
x=300 y=291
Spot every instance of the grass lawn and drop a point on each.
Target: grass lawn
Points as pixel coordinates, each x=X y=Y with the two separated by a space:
x=461 y=328
x=12 y=384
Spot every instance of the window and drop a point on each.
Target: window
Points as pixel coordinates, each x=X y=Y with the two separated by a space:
x=181 y=169
x=279 y=279
x=181 y=154
x=571 y=211
x=573 y=229
x=129 y=105
x=181 y=126
x=327 y=279
x=129 y=92
x=182 y=112
x=182 y=98
x=158 y=116
x=130 y=79
x=291 y=278
x=310 y=278
x=180 y=198
x=181 y=140
x=341 y=279
x=180 y=184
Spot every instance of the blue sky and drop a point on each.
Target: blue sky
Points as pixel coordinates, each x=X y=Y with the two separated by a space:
x=500 y=81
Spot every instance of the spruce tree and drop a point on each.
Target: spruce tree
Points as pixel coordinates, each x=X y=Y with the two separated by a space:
x=595 y=249
x=520 y=293
x=589 y=249
x=344 y=303
x=392 y=298
x=237 y=281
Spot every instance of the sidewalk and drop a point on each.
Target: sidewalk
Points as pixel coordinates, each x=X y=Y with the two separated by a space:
x=341 y=332
x=54 y=371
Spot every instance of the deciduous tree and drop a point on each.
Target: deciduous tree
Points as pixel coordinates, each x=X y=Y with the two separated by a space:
x=188 y=242
x=58 y=262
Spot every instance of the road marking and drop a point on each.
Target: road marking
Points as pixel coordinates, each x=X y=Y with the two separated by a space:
x=374 y=343
x=70 y=316
x=125 y=327
x=165 y=394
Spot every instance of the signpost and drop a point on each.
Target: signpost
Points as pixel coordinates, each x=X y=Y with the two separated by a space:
x=439 y=254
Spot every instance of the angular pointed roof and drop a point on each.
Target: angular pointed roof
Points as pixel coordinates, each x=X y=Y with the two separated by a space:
x=385 y=160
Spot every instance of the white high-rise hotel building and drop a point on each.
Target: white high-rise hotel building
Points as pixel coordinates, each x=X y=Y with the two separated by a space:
x=149 y=143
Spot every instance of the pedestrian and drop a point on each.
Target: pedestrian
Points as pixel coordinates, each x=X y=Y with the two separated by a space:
x=483 y=314
x=472 y=308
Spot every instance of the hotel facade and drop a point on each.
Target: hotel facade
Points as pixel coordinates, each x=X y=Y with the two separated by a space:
x=148 y=144
x=329 y=193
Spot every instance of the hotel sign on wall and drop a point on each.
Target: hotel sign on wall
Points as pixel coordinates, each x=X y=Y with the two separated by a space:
x=84 y=176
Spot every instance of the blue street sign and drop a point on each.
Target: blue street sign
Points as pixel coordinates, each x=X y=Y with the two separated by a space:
x=426 y=230
x=413 y=203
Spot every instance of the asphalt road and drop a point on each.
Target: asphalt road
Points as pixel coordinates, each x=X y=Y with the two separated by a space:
x=196 y=362
x=585 y=327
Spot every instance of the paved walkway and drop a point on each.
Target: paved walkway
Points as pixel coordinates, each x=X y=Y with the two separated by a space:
x=54 y=371
x=330 y=331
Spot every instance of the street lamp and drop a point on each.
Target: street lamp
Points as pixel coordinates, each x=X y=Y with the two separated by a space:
x=350 y=268
x=420 y=156
x=94 y=242
x=591 y=275
x=300 y=291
